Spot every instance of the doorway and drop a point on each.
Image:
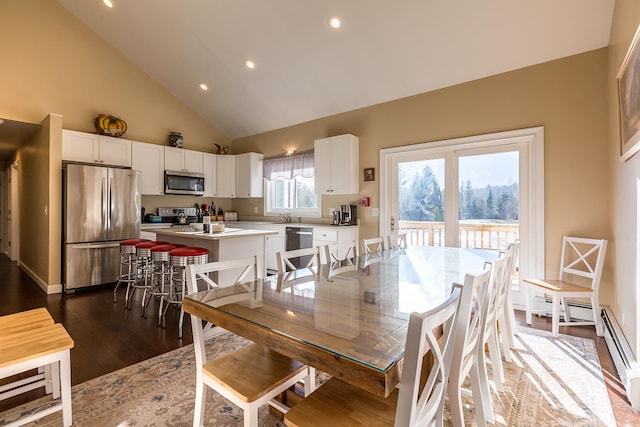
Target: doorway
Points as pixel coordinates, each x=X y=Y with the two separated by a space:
x=13 y=214
x=479 y=192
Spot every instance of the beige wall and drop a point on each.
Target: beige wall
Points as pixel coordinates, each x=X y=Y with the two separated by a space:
x=567 y=97
x=625 y=187
x=34 y=227
x=54 y=63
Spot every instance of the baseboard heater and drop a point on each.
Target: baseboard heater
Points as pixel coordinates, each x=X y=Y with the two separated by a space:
x=623 y=357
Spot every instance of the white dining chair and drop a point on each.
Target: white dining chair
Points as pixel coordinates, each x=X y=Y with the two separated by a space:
x=397 y=241
x=410 y=404
x=581 y=259
x=489 y=335
x=509 y=325
x=250 y=376
x=344 y=253
x=286 y=263
x=503 y=321
x=372 y=245
x=465 y=361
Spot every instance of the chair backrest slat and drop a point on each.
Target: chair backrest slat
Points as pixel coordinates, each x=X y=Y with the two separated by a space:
x=375 y=244
x=284 y=258
x=583 y=257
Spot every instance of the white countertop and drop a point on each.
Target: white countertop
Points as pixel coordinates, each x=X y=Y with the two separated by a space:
x=248 y=224
x=229 y=233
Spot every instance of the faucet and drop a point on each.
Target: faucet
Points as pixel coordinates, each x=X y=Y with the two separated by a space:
x=286 y=217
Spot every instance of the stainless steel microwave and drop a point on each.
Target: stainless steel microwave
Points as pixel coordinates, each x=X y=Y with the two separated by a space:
x=178 y=182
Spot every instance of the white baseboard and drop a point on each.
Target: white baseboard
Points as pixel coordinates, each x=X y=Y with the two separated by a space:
x=52 y=289
x=623 y=357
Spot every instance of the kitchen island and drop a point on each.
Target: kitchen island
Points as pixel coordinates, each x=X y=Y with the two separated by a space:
x=230 y=244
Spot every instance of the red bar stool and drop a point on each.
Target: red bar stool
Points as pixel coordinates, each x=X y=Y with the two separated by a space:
x=180 y=258
x=128 y=264
x=160 y=275
x=143 y=258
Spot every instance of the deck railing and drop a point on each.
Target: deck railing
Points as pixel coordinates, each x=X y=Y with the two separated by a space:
x=475 y=235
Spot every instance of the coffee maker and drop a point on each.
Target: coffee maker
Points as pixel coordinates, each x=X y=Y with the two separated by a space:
x=348 y=215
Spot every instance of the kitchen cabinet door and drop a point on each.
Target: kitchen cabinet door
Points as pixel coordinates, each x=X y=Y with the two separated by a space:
x=193 y=161
x=226 y=175
x=149 y=160
x=336 y=164
x=249 y=176
x=92 y=148
x=80 y=146
x=209 y=168
x=275 y=244
x=179 y=159
x=115 y=151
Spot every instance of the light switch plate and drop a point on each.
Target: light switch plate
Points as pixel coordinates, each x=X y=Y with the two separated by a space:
x=375 y=212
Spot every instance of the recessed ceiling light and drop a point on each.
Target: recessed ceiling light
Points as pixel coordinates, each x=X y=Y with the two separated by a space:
x=249 y=64
x=108 y=3
x=203 y=86
x=335 y=22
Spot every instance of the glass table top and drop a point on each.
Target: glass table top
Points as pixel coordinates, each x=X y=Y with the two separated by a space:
x=357 y=309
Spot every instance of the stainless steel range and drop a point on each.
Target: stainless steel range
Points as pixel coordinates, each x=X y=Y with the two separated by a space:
x=177 y=216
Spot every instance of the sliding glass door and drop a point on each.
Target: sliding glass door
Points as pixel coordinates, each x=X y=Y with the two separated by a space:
x=481 y=194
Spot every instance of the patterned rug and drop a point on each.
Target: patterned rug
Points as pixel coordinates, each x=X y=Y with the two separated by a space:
x=551 y=381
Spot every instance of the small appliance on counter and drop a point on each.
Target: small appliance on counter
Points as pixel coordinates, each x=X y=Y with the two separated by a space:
x=152 y=219
x=348 y=215
x=230 y=216
x=177 y=216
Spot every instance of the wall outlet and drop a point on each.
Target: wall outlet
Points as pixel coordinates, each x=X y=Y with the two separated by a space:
x=375 y=212
x=255 y=209
x=331 y=211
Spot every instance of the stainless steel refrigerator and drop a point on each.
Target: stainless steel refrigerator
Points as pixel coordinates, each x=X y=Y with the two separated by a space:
x=101 y=207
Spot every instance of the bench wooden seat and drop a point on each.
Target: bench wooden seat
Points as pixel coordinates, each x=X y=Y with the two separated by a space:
x=24 y=321
x=41 y=346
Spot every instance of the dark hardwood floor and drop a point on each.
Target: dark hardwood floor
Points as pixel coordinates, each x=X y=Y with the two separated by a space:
x=107 y=337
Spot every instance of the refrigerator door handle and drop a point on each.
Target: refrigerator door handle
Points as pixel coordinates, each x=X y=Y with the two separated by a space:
x=95 y=245
x=103 y=207
x=110 y=200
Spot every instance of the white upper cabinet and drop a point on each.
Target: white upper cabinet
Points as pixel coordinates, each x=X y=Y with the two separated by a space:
x=336 y=164
x=209 y=168
x=149 y=160
x=179 y=159
x=249 y=174
x=92 y=148
x=225 y=176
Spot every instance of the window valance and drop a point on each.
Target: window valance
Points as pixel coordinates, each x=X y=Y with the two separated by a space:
x=289 y=166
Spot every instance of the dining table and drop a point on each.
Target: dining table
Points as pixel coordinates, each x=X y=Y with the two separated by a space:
x=348 y=319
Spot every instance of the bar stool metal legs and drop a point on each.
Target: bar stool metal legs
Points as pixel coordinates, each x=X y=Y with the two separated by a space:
x=128 y=265
x=180 y=257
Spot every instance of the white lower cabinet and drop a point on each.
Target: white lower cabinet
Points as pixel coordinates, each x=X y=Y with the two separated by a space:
x=331 y=235
x=274 y=243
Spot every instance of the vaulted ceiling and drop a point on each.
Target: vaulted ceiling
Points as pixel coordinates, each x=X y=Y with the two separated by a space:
x=304 y=69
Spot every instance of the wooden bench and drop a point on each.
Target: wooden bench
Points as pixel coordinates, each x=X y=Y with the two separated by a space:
x=30 y=340
x=25 y=321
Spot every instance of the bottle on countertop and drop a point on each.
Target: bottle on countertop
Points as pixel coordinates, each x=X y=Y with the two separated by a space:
x=206 y=221
x=220 y=214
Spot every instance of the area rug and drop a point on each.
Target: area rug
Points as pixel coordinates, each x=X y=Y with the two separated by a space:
x=551 y=381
